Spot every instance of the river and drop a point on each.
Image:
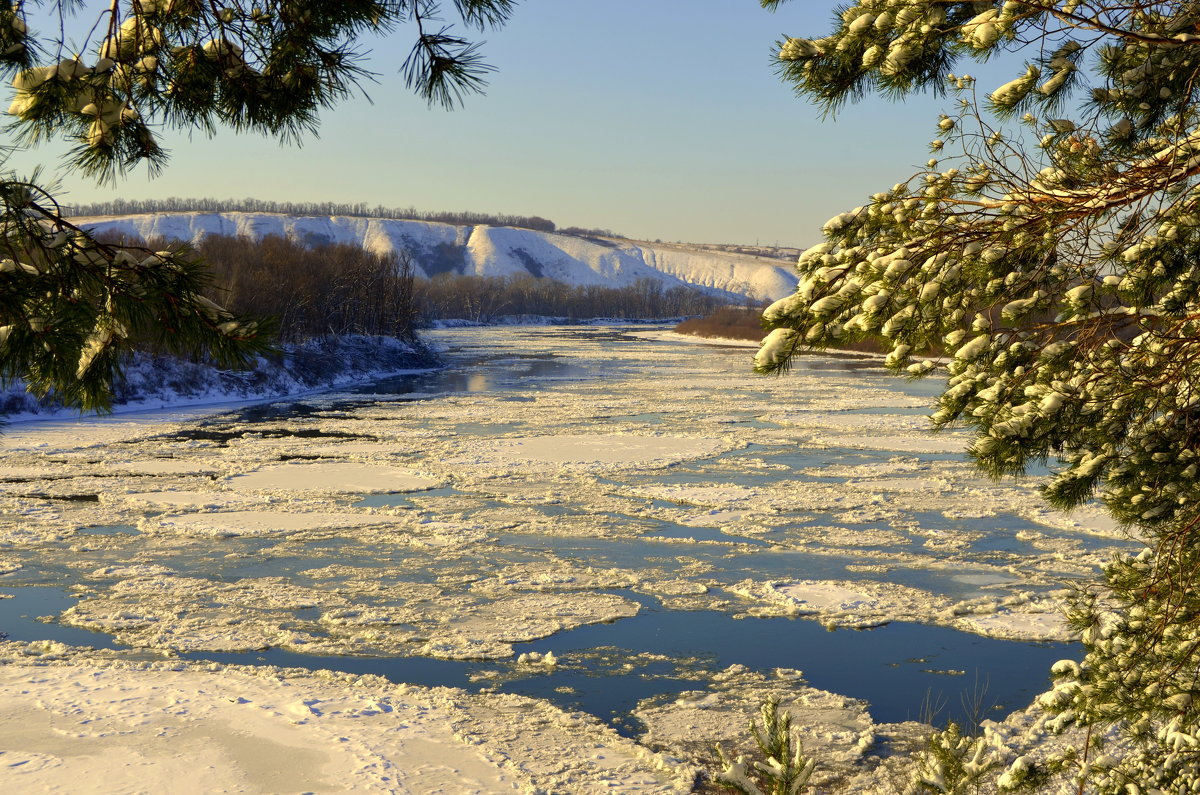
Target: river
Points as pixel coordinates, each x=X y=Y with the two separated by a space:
x=604 y=517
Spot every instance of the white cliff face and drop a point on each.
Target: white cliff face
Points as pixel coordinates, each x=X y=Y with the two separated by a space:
x=488 y=250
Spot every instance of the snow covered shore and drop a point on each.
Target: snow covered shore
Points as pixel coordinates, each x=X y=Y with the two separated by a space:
x=158 y=381
x=107 y=725
x=81 y=721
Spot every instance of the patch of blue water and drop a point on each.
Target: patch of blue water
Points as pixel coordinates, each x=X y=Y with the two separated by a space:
x=109 y=530
x=19 y=614
x=480 y=373
x=1002 y=540
x=398 y=499
x=1000 y=533
x=827 y=362
x=925 y=387
x=890 y=667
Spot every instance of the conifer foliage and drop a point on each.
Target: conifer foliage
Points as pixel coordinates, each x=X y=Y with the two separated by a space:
x=1052 y=245
x=69 y=305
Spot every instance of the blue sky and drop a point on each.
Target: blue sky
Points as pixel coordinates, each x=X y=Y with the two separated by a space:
x=654 y=118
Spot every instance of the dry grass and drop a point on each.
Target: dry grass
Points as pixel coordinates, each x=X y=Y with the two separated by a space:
x=728 y=322
x=744 y=323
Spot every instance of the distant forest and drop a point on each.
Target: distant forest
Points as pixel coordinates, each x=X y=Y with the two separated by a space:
x=341 y=289
x=358 y=210
x=484 y=299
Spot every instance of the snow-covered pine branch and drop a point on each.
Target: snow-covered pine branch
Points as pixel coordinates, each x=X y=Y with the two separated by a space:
x=1050 y=250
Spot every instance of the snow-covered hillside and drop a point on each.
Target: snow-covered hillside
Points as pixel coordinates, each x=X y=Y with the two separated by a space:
x=489 y=250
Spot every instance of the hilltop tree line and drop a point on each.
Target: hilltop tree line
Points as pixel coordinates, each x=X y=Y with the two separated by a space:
x=175 y=204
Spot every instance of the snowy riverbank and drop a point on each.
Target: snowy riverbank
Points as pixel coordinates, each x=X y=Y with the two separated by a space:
x=104 y=725
x=158 y=381
x=81 y=721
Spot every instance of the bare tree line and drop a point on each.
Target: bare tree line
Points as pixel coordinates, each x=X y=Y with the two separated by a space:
x=332 y=290
x=304 y=292
x=484 y=299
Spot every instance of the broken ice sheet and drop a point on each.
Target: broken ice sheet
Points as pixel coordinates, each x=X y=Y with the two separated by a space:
x=166 y=610
x=583 y=452
x=558 y=497
x=332 y=477
x=254 y=523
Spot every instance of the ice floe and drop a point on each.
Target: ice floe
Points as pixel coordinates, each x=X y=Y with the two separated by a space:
x=836 y=730
x=31 y=472
x=182 y=499
x=863 y=604
x=165 y=466
x=588 y=451
x=858 y=604
x=346 y=478
x=256 y=523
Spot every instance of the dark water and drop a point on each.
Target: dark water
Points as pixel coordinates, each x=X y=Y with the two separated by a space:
x=899 y=668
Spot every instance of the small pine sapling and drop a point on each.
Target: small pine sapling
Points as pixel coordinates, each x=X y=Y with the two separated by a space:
x=785 y=769
x=952 y=764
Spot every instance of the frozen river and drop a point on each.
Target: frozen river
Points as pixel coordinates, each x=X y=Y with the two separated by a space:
x=602 y=517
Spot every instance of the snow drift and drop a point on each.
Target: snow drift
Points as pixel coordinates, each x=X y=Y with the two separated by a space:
x=488 y=250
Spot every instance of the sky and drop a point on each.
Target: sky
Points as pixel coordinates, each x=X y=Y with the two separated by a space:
x=658 y=119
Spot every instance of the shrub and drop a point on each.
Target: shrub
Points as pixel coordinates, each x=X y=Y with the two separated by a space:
x=728 y=322
x=784 y=769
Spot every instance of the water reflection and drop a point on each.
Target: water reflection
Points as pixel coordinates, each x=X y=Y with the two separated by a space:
x=877 y=665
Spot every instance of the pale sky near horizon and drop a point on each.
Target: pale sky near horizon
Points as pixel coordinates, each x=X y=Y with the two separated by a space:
x=653 y=118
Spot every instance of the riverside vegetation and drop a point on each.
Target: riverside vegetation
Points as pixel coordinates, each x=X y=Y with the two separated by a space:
x=337 y=289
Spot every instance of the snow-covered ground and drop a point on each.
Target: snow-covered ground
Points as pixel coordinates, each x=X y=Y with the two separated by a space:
x=612 y=521
x=111 y=726
x=154 y=381
x=488 y=250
